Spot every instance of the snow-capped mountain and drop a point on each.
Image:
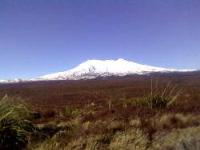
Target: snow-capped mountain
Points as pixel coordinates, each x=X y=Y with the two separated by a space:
x=102 y=68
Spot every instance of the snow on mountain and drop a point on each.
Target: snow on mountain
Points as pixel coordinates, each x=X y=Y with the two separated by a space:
x=12 y=81
x=101 y=68
x=3 y=81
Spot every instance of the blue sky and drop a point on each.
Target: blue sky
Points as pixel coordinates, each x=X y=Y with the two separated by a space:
x=38 y=37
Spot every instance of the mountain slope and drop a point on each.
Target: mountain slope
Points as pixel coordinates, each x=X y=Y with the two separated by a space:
x=101 y=68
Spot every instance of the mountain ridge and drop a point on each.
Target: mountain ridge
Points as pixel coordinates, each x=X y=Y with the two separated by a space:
x=100 y=68
x=92 y=69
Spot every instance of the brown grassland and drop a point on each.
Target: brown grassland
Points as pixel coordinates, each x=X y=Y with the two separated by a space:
x=149 y=112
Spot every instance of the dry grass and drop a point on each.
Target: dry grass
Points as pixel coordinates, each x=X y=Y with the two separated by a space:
x=120 y=113
x=132 y=139
x=178 y=139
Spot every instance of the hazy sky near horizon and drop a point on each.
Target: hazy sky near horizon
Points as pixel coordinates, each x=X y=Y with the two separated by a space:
x=38 y=37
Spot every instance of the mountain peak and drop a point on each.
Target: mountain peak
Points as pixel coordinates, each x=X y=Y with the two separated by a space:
x=100 y=68
x=94 y=68
x=121 y=59
x=106 y=60
x=94 y=62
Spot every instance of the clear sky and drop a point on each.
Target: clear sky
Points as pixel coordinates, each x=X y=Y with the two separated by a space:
x=38 y=37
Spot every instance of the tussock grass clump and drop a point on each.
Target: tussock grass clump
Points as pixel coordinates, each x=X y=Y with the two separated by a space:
x=91 y=142
x=159 y=98
x=66 y=141
x=69 y=111
x=132 y=139
x=15 y=130
x=13 y=108
x=15 y=134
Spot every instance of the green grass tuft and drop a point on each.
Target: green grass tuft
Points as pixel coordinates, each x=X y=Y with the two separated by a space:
x=159 y=98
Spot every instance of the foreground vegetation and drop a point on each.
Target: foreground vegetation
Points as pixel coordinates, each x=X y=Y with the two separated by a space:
x=113 y=116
